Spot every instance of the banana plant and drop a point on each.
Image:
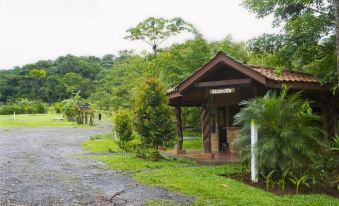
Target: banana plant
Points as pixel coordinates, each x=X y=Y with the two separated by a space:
x=267 y=179
x=314 y=182
x=297 y=182
x=282 y=181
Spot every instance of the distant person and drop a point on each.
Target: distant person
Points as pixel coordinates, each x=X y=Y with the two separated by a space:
x=99 y=116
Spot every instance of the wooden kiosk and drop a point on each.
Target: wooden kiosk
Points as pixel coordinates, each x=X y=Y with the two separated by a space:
x=218 y=87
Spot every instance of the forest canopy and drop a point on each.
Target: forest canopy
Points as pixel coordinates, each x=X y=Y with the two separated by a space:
x=111 y=81
x=306 y=43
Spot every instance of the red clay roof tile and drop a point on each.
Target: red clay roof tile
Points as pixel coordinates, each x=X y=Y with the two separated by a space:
x=269 y=73
x=285 y=75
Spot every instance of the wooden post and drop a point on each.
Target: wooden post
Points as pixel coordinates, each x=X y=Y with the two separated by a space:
x=91 y=119
x=254 y=140
x=324 y=117
x=179 y=128
x=86 y=117
x=206 y=129
x=331 y=119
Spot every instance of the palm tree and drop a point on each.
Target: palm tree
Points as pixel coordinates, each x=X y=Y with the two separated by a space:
x=290 y=135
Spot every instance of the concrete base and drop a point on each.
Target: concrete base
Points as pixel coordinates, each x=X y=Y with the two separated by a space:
x=178 y=151
x=162 y=148
x=206 y=156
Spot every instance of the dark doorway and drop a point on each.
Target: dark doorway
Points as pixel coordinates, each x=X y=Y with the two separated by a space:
x=222 y=128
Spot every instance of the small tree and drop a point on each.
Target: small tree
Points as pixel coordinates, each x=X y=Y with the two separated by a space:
x=123 y=127
x=153 y=120
x=70 y=107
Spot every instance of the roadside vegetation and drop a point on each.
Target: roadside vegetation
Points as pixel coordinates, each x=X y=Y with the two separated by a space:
x=104 y=148
x=206 y=183
x=293 y=150
x=137 y=138
x=101 y=144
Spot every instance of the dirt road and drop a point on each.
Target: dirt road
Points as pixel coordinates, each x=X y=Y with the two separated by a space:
x=46 y=166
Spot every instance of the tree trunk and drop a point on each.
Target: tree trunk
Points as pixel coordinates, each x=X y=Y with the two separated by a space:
x=155 y=48
x=336 y=11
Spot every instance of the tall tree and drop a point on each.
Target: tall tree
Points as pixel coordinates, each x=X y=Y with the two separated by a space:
x=307 y=41
x=336 y=10
x=155 y=31
x=36 y=76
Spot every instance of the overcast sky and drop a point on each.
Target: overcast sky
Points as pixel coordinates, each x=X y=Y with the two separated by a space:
x=31 y=30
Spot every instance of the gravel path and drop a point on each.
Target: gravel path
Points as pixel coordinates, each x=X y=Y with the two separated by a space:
x=43 y=166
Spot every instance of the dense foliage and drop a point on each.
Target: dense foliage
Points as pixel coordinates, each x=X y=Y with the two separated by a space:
x=52 y=81
x=307 y=41
x=153 y=118
x=24 y=106
x=123 y=127
x=289 y=134
x=291 y=142
x=155 y=31
x=111 y=82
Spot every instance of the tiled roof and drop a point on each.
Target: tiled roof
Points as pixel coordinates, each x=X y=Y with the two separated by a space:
x=285 y=76
x=264 y=72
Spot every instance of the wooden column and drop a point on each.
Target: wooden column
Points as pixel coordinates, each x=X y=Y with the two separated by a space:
x=324 y=116
x=206 y=129
x=331 y=119
x=179 y=128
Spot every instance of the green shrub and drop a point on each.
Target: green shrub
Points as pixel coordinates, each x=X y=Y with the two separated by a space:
x=148 y=154
x=70 y=109
x=59 y=107
x=24 y=106
x=290 y=135
x=153 y=120
x=38 y=108
x=123 y=127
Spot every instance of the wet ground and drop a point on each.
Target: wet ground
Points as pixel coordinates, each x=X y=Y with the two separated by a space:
x=46 y=166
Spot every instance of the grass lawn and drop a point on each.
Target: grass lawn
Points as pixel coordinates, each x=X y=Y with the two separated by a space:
x=212 y=189
x=192 y=139
x=32 y=120
x=105 y=144
x=101 y=144
x=203 y=182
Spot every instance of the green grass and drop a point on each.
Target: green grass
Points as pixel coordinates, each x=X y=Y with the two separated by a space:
x=101 y=144
x=212 y=189
x=32 y=120
x=203 y=182
x=192 y=139
x=126 y=162
x=133 y=164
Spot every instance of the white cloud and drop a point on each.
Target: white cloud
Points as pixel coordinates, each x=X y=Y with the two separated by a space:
x=31 y=30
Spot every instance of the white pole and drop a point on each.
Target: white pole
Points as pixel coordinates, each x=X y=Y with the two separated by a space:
x=14 y=115
x=114 y=130
x=254 y=140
